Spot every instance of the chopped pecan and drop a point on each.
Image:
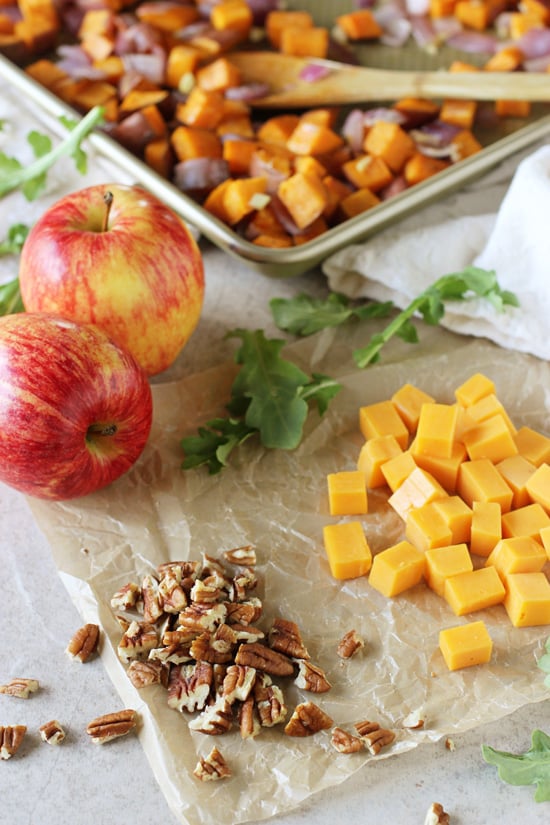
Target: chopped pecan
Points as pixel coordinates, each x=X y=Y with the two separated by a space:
x=208 y=590
x=84 y=642
x=246 y=612
x=436 y=815
x=189 y=686
x=307 y=720
x=241 y=555
x=247 y=632
x=349 y=644
x=311 y=677
x=185 y=572
x=249 y=724
x=173 y=597
x=175 y=654
x=11 y=737
x=345 y=742
x=152 y=604
x=264 y=658
x=178 y=637
x=241 y=585
x=52 y=732
x=212 y=767
x=269 y=701
x=111 y=726
x=415 y=720
x=21 y=688
x=214 y=647
x=212 y=567
x=143 y=674
x=215 y=719
x=219 y=671
x=137 y=641
x=201 y=617
x=238 y=682
x=374 y=737
x=285 y=637
x=126 y=597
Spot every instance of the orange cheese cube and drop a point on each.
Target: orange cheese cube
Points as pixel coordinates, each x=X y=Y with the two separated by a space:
x=479 y=480
x=520 y=554
x=397 y=568
x=443 y=562
x=457 y=516
x=525 y=521
x=347 y=549
x=347 y=493
x=486 y=528
x=475 y=590
x=445 y=470
x=490 y=439
x=381 y=418
x=527 y=599
x=488 y=406
x=516 y=470
x=374 y=453
x=425 y=528
x=419 y=488
x=538 y=486
x=533 y=446
x=435 y=434
x=475 y=388
x=395 y=470
x=545 y=538
x=465 y=645
x=408 y=402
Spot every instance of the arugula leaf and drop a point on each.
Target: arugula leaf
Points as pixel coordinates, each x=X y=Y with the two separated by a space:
x=16 y=237
x=430 y=305
x=305 y=315
x=529 y=768
x=269 y=398
x=31 y=179
x=10 y=298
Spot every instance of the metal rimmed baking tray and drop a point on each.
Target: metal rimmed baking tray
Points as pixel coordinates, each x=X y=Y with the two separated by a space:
x=509 y=138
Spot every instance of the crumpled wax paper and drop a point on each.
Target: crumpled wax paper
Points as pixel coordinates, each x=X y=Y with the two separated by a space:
x=278 y=502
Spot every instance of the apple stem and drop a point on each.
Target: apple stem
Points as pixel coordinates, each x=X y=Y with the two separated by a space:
x=102 y=429
x=108 y=200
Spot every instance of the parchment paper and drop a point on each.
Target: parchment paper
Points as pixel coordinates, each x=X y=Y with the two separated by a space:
x=277 y=501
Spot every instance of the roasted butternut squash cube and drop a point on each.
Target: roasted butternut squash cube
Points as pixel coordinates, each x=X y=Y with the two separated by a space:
x=304 y=196
x=390 y=142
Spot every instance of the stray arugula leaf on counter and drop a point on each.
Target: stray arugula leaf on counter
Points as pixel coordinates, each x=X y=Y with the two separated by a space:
x=269 y=397
x=31 y=179
x=10 y=295
x=529 y=768
x=303 y=315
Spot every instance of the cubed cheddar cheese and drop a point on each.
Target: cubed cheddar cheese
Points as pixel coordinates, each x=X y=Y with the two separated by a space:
x=458 y=517
x=520 y=554
x=479 y=480
x=443 y=562
x=435 y=434
x=419 y=488
x=466 y=645
x=486 y=528
x=396 y=569
x=425 y=528
x=373 y=454
x=516 y=471
x=525 y=521
x=408 y=402
x=490 y=439
x=473 y=389
x=538 y=486
x=395 y=470
x=347 y=493
x=348 y=552
x=445 y=470
x=527 y=601
x=381 y=418
x=487 y=407
x=533 y=446
x=474 y=590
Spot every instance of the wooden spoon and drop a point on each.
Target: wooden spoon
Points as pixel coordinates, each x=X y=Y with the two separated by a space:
x=357 y=84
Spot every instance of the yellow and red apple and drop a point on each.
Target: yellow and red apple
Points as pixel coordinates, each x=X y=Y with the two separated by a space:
x=118 y=257
x=75 y=408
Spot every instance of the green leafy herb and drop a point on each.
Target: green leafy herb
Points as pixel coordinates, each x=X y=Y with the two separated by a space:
x=31 y=179
x=430 y=304
x=529 y=768
x=304 y=315
x=16 y=237
x=269 y=397
x=10 y=298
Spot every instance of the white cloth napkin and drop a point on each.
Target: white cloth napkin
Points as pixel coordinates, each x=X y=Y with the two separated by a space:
x=501 y=223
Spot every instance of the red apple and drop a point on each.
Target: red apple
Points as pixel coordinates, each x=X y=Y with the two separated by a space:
x=75 y=408
x=118 y=257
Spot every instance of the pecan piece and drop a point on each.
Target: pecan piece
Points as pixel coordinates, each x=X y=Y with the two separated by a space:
x=185 y=572
x=84 y=642
x=152 y=606
x=241 y=555
x=189 y=686
x=345 y=742
x=238 y=682
x=349 y=644
x=111 y=726
x=137 y=641
x=201 y=617
x=269 y=701
x=126 y=597
x=307 y=719
x=249 y=723
x=311 y=677
x=215 y=719
x=21 y=688
x=212 y=767
x=415 y=720
x=241 y=584
x=374 y=737
x=436 y=815
x=52 y=733
x=173 y=597
x=247 y=632
x=144 y=674
x=11 y=737
x=246 y=612
x=285 y=637
x=208 y=590
x=214 y=647
x=263 y=658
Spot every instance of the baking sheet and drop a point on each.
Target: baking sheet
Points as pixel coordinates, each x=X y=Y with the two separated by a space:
x=277 y=501
x=511 y=136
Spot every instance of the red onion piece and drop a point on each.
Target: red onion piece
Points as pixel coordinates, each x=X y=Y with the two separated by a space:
x=474 y=42
x=149 y=66
x=537 y=64
x=396 y=33
x=446 y=27
x=435 y=138
x=370 y=116
x=283 y=216
x=247 y=92
x=417 y=7
x=313 y=72
x=534 y=43
x=200 y=174
x=398 y=185
x=262 y=168
x=423 y=31
x=353 y=130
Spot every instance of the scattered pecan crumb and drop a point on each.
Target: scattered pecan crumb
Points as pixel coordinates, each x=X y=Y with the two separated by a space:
x=241 y=555
x=415 y=720
x=52 y=733
x=349 y=644
x=84 y=642
x=212 y=767
x=11 y=737
x=111 y=726
x=436 y=815
x=449 y=744
x=20 y=688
